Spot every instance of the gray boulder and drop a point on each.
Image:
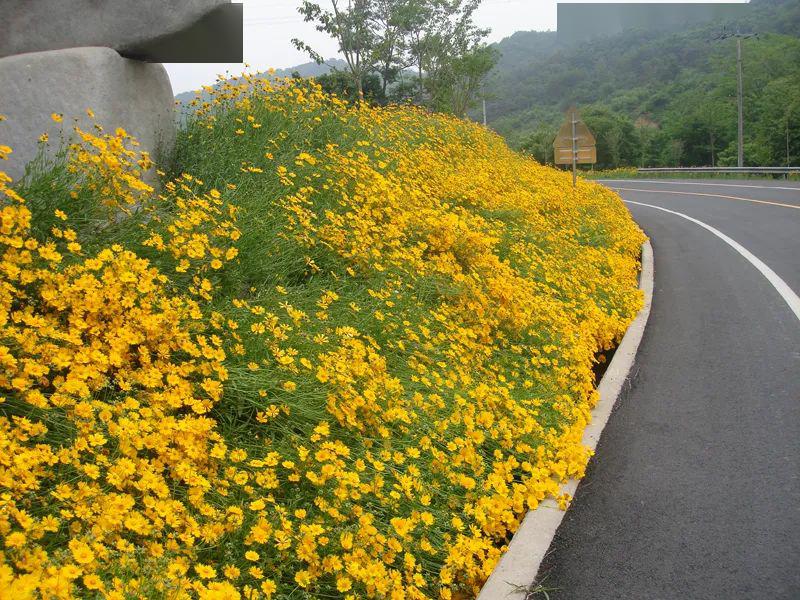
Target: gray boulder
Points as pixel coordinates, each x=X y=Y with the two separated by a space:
x=153 y=30
x=125 y=93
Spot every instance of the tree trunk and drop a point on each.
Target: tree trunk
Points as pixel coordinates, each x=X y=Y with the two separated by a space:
x=419 y=81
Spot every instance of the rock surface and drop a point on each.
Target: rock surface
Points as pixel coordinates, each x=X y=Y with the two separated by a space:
x=40 y=25
x=123 y=93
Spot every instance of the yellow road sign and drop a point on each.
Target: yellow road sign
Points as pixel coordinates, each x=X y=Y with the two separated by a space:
x=584 y=146
x=586 y=156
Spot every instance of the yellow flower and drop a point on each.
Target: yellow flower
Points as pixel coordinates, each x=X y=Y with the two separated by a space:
x=432 y=294
x=256 y=573
x=231 y=572
x=268 y=587
x=205 y=571
x=257 y=505
x=15 y=540
x=81 y=552
x=303 y=578
x=346 y=540
x=344 y=584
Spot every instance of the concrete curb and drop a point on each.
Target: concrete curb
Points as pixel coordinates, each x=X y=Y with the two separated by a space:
x=518 y=567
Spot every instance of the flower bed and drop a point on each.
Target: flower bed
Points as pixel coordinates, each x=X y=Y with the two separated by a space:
x=339 y=354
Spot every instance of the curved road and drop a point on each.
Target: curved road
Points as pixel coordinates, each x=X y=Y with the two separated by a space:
x=694 y=492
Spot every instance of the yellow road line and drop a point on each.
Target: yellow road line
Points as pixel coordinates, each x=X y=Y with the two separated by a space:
x=702 y=194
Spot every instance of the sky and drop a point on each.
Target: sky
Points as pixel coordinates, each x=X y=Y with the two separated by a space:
x=270 y=25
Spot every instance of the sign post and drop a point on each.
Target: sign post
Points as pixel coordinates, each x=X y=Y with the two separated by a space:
x=574 y=144
x=574 y=151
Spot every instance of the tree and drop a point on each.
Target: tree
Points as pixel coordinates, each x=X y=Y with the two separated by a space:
x=390 y=19
x=461 y=79
x=352 y=27
x=418 y=27
x=617 y=140
x=444 y=43
x=387 y=37
x=540 y=143
x=793 y=133
x=673 y=152
x=778 y=129
x=646 y=131
x=341 y=84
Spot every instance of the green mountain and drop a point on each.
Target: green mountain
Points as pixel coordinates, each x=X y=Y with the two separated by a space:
x=658 y=98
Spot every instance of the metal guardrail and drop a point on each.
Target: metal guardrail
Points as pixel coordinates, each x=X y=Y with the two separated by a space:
x=724 y=170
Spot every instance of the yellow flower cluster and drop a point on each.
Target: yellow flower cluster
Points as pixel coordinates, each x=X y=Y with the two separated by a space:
x=201 y=232
x=107 y=380
x=107 y=165
x=621 y=172
x=346 y=370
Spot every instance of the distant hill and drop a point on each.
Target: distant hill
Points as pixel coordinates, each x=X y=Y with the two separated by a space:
x=579 y=21
x=661 y=97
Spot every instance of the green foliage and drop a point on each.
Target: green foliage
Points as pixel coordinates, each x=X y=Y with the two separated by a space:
x=617 y=139
x=540 y=144
x=659 y=99
x=341 y=84
x=436 y=38
x=351 y=27
x=460 y=80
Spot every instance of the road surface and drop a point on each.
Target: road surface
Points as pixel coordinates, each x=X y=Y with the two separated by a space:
x=695 y=489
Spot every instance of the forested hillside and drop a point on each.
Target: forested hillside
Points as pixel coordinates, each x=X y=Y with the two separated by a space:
x=658 y=99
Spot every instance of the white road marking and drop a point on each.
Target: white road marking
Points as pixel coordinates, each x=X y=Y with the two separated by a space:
x=779 y=284
x=627 y=189
x=741 y=185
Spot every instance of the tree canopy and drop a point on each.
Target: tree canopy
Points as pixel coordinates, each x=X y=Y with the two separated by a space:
x=436 y=39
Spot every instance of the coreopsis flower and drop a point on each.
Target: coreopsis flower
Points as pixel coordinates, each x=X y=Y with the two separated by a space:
x=344 y=352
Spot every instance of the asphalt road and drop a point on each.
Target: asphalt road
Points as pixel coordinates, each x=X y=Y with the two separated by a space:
x=694 y=492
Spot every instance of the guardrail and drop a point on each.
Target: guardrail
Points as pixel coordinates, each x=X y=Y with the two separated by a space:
x=725 y=170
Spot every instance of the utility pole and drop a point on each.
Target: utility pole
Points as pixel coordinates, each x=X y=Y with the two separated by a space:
x=739 y=85
x=741 y=99
x=484 y=112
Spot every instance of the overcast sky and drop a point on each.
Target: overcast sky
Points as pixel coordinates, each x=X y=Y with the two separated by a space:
x=269 y=26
